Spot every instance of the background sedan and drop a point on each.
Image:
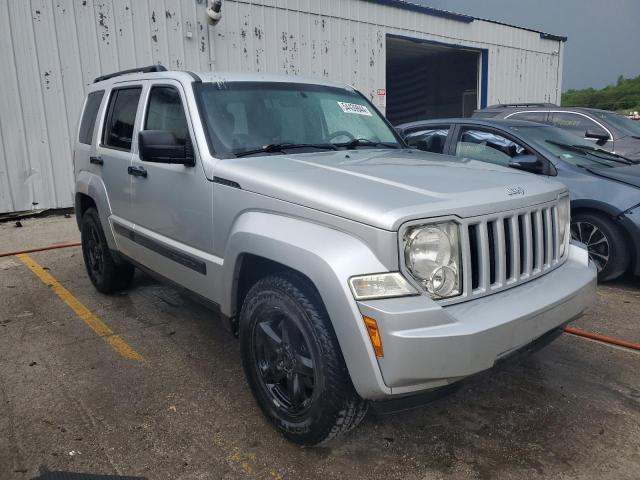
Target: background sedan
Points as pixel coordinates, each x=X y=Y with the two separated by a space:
x=604 y=187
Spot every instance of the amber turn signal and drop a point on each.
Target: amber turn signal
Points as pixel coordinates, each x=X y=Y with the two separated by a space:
x=374 y=335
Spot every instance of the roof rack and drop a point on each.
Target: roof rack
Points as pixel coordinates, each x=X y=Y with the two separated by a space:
x=147 y=69
x=506 y=105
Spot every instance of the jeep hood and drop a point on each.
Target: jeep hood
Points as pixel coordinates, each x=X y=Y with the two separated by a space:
x=385 y=188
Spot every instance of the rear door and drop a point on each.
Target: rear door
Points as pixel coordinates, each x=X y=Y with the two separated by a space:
x=113 y=154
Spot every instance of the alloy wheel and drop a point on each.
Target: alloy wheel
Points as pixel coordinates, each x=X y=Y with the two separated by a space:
x=94 y=252
x=595 y=240
x=284 y=362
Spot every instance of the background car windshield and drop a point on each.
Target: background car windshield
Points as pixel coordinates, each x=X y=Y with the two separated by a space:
x=540 y=135
x=244 y=116
x=622 y=123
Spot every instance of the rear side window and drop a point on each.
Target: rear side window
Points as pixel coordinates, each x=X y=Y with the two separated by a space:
x=165 y=112
x=540 y=117
x=121 y=117
x=428 y=139
x=88 y=121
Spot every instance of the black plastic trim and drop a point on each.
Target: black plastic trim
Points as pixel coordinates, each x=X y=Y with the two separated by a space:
x=550 y=36
x=170 y=253
x=147 y=69
x=228 y=183
x=195 y=77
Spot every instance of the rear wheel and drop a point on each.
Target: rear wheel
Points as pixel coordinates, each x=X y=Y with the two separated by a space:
x=106 y=272
x=605 y=242
x=293 y=363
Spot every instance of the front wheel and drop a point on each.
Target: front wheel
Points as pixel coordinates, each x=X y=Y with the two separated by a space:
x=605 y=242
x=293 y=363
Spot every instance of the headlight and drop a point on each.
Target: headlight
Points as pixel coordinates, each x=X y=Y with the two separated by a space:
x=381 y=285
x=564 y=220
x=432 y=255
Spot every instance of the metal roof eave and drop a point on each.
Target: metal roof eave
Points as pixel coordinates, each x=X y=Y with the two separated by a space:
x=459 y=17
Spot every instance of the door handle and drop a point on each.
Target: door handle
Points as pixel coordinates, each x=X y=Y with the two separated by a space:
x=96 y=160
x=137 y=171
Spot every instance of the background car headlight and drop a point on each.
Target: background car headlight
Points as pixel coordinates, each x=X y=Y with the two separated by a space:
x=564 y=220
x=381 y=285
x=432 y=256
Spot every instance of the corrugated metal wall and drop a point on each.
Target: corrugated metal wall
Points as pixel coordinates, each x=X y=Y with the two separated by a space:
x=50 y=50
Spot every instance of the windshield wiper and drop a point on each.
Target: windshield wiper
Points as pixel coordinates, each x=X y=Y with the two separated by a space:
x=363 y=142
x=613 y=157
x=281 y=147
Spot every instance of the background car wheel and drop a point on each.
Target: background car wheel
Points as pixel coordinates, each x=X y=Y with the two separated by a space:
x=106 y=274
x=293 y=363
x=606 y=243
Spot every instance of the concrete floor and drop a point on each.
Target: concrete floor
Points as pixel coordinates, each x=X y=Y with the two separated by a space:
x=69 y=402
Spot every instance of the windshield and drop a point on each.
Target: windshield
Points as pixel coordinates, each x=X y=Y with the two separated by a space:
x=570 y=148
x=622 y=123
x=245 y=118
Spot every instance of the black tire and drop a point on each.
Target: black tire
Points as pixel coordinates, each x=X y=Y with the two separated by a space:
x=605 y=241
x=327 y=404
x=107 y=273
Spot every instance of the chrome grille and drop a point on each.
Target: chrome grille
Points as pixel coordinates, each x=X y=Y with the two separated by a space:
x=503 y=250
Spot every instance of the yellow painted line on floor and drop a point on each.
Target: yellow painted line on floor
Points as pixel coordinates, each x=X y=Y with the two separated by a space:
x=97 y=325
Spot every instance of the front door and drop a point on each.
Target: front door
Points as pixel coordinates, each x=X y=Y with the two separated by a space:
x=171 y=204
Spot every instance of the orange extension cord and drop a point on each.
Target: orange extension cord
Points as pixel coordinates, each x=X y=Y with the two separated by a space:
x=570 y=330
x=603 y=338
x=41 y=249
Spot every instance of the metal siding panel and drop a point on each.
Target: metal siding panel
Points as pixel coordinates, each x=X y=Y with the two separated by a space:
x=57 y=126
x=123 y=33
x=107 y=47
x=6 y=193
x=34 y=165
x=142 y=40
x=14 y=148
x=70 y=65
x=174 y=34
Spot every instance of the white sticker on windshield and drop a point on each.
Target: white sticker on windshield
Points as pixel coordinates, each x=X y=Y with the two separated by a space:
x=354 y=108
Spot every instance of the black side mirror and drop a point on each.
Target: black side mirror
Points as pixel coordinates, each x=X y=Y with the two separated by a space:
x=527 y=163
x=161 y=146
x=599 y=136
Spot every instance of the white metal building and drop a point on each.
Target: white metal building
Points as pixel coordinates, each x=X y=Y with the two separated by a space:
x=412 y=61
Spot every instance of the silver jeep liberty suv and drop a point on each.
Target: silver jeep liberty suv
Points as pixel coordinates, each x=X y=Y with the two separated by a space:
x=354 y=270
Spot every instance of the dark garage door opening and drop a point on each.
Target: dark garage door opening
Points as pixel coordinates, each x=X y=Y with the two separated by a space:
x=426 y=80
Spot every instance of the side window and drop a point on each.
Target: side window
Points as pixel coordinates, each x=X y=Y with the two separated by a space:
x=428 y=139
x=121 y=118
x=88 y=121
x=576 y=124
x=165 y=112
x=488 y=147
x=540 y=117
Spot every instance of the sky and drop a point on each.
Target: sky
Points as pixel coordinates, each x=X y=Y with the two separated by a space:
x=604 y=35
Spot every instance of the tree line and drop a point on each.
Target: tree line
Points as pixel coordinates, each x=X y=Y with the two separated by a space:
x=624 y=96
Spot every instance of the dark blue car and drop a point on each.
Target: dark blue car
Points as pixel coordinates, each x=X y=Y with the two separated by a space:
x=604 y=187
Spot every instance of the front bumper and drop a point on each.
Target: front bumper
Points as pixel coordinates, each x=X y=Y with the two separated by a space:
x=427 y=346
